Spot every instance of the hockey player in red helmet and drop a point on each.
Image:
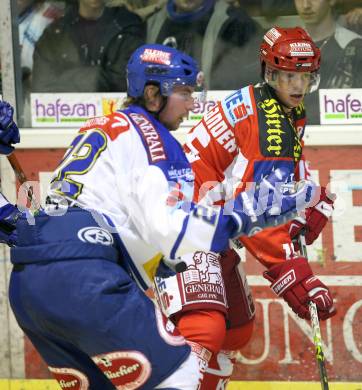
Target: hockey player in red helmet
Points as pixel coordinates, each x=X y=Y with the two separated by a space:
x=124 y=206
x=257 y=132
x=290 y=63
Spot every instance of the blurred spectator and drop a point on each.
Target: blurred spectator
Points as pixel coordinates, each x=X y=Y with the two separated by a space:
x=143 y=8
x=271 y=9
x=341 y=50
x=207 y=30
x=353 y=20
x=33 y=17
x=350 y=12
x=236 y=52
x=182 y=24
x=87 y=50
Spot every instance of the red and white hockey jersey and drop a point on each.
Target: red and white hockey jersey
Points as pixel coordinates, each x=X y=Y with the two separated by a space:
x=240 y=140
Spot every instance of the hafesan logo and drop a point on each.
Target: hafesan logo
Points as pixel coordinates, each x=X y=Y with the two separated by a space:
x=340 y=106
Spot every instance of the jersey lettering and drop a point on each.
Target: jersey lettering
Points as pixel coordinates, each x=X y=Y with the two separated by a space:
x=274 y=124
x=196 y=138
x=220 y=130
x=277 y=135
x=152 y=139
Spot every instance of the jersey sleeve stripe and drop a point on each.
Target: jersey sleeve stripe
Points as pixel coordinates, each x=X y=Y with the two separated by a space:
x=179 y=238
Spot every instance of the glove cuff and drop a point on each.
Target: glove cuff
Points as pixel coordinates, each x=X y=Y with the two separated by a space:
x=285 y=275
x=324 y=208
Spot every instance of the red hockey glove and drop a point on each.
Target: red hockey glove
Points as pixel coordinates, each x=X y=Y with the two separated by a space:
x=294 y=281
x=316 y=218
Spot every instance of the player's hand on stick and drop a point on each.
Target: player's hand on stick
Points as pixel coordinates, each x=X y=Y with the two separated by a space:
x=294 y=281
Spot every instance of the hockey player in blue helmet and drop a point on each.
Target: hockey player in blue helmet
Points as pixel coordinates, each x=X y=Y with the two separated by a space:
x=158 y=73
x=125 y=191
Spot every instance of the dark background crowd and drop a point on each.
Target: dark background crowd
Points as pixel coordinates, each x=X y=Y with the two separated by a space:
x=84 y=45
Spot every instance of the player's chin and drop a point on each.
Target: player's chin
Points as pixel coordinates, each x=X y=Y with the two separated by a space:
x=175 y=124
x=295 y=99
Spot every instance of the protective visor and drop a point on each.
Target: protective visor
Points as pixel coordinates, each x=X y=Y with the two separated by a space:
x=199 y=95
x=292 y=82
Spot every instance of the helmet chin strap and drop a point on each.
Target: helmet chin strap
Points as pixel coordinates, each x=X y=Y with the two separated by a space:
x=156 y=114
x=163 y=105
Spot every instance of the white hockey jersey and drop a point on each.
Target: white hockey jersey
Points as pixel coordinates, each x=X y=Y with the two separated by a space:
x=128 y=167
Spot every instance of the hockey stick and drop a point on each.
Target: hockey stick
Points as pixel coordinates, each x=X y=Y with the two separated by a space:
x=20 y=174
x=317 y=337
x=18 y=170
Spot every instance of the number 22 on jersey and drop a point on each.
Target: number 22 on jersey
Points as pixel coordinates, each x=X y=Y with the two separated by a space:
x=78 y=160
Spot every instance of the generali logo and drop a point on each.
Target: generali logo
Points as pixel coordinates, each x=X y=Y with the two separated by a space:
x=340 y=106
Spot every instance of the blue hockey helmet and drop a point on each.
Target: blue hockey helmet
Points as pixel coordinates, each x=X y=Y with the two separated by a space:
x=161 y=65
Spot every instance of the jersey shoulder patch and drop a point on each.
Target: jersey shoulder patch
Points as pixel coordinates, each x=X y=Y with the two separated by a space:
x=238 y=106
x=113 y=124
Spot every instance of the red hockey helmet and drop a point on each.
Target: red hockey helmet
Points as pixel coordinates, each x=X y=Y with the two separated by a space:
x=289 y=49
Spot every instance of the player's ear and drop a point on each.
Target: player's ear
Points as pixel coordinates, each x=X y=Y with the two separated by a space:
x=153 y=98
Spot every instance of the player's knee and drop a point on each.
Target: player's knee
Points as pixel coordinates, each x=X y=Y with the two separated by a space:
x=204 y=327
x=237 y=338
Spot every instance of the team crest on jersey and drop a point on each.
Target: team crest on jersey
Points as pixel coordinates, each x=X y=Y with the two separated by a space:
x=95 y=235
x=70 y=378
x=125 y=369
